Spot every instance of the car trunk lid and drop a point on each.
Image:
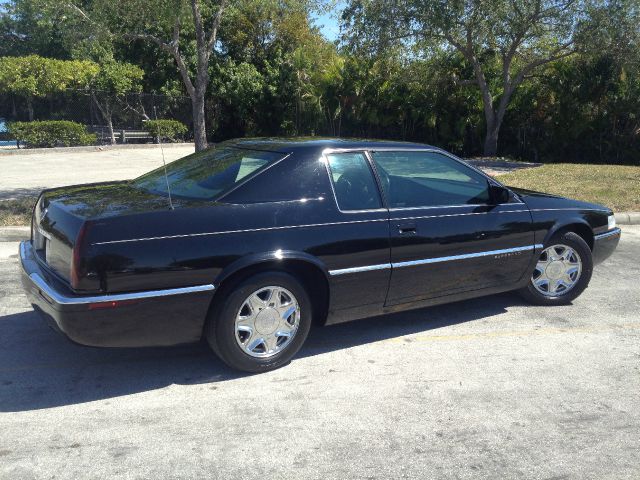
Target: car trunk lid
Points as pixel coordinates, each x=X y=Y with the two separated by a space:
x=63 y=216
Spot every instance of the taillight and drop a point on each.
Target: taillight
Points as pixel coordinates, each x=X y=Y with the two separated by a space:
x=77 y=268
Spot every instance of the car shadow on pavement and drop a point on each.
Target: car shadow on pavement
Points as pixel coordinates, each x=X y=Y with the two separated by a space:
x=40 y=369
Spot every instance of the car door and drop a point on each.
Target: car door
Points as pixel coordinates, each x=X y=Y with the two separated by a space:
x=359 y=257
x=447 y=234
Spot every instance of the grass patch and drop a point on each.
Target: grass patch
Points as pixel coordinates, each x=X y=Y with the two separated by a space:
x=615 y=186
x=16 y=212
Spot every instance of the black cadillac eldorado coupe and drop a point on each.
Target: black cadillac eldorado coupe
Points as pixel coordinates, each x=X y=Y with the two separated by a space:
x=248 y=243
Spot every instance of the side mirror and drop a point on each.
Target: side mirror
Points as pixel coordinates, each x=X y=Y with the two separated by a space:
x=499 y=194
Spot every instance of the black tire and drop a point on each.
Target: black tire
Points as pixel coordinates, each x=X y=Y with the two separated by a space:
x=220 y=330
x=575 y=241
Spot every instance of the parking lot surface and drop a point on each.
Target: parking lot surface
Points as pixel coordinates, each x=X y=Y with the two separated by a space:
x=486 y=388
x=27 y=173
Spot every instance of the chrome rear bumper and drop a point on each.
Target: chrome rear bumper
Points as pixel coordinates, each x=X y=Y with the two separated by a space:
x=148 y=318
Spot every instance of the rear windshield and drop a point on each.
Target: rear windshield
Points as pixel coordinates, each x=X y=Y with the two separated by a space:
x=208 y=174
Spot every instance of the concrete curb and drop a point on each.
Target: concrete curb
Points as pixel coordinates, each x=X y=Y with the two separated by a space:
x=16 y=234
x=628 y=218
x=94 y=148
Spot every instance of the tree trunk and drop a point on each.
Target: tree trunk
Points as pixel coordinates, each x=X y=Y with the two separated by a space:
x=112 y=136
x=107 y=114
x=491 y=141
x=199 y=122
x=494 y=122
x=30 y=108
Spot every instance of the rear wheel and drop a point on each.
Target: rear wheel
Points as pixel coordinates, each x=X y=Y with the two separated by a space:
x=562 y=272
x=261 y=324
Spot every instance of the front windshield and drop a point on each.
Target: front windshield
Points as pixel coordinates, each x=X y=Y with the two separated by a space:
x=207 y=174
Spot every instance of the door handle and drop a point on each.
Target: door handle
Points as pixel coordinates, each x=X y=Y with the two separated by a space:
x=407 y=228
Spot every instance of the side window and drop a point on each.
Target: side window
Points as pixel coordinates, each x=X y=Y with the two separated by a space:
x=353 y=181
x=425 y=179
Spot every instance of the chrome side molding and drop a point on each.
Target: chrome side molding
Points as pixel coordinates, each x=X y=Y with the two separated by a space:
x=61 y=299
x=425 y=261
x=466 y=256
x=367 y=268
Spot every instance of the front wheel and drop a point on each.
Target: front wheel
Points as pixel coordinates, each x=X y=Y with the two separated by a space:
x=562 y=272
x=261 y=324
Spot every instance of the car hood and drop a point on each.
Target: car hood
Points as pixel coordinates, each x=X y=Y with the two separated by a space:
x=539 y=200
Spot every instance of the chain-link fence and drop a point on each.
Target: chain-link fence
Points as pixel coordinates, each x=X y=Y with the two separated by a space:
x=128 y=112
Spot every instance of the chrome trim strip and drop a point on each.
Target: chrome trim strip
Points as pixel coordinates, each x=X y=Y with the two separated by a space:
x=248 y=230
x=43 y=233
x=438 y=216
x=299 y=200
x=455 y=215
x=571 y=208
x=464 y=256
x=612 y=233
x=485 y=213
x=342 y=271
x=395 y=209
x=411 y=263
x=47 y=291
x=60 y=299
x=310 y=225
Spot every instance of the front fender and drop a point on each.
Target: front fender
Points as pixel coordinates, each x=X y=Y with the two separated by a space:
x=574 y=223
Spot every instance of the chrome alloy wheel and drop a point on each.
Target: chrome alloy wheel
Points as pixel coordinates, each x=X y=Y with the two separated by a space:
x=267 y=321
x=557 y=271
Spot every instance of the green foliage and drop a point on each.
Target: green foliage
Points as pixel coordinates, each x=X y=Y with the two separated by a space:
x=165 y=129
x=272 y=73
x=51 y=133
x=35 y=76
x=29 y=27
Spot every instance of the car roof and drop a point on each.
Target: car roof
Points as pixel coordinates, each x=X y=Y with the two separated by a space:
x=312 y=144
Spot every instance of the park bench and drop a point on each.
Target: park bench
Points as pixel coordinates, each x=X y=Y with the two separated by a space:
x=122 y=135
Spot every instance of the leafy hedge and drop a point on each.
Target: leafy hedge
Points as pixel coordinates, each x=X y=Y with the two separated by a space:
x=165 y=129
x=51 y=133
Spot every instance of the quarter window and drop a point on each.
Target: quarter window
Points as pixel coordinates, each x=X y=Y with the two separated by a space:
x=353 y=181
x=208 y=174
x=424 y=179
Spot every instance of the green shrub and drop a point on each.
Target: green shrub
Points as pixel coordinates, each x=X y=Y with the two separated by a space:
x=51 y=133
x=165 y=129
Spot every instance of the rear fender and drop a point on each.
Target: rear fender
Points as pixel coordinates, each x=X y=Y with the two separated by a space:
x=275 y=257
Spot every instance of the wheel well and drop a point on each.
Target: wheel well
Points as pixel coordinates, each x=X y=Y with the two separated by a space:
x=580 y=229
x=312 y=278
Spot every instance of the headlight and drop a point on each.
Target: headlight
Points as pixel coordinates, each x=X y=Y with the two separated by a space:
x=611 y=222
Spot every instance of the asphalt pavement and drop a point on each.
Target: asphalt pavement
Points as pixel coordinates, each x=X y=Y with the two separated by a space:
x=27 y=172
x=487 y=388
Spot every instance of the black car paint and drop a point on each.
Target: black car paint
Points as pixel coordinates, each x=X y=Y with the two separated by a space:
x=134 y=242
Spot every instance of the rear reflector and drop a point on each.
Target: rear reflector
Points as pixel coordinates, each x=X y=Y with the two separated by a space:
x=113 y=304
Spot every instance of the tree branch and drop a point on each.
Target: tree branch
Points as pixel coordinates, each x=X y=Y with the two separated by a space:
x=172 y=49
x=215 y=26
x=197 y=21
x=557 y=54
